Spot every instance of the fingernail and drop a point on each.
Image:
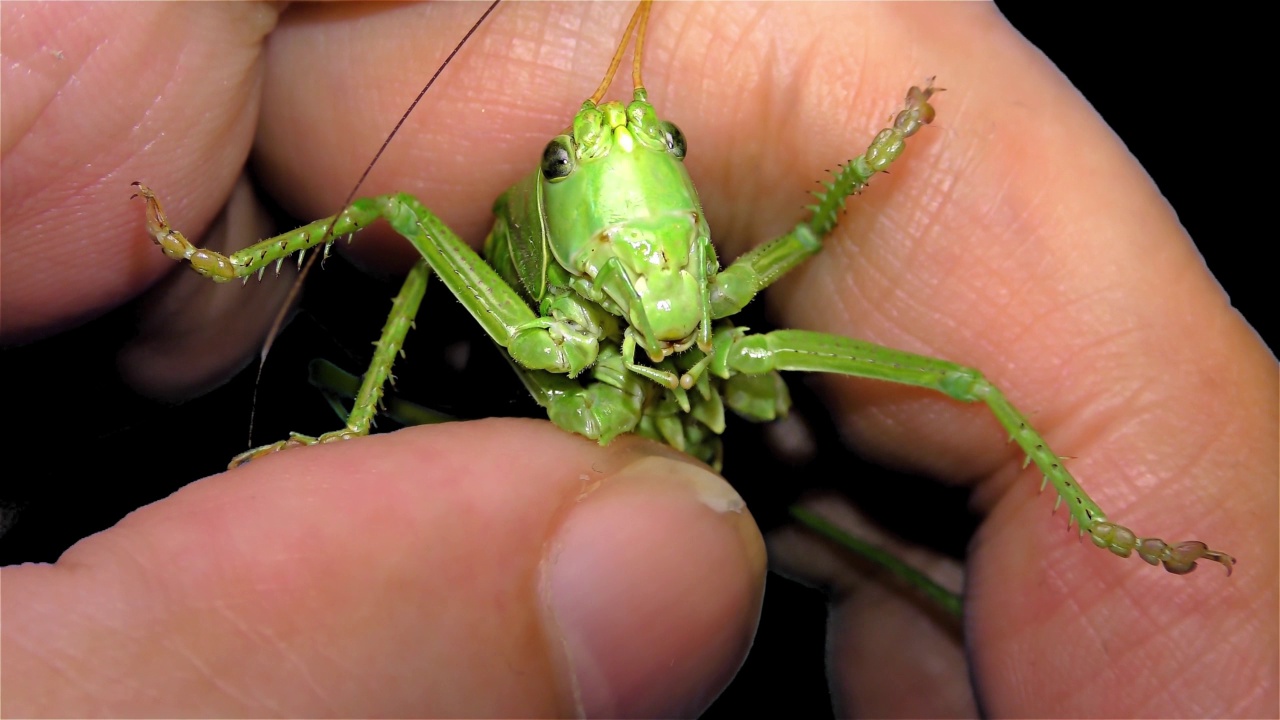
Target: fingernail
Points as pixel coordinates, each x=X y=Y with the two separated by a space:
x=652 y=588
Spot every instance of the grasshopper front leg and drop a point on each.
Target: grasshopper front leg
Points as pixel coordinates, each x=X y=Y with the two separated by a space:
x=256 y=258
x=759 y=268
x=537 y=343
x=821 y=352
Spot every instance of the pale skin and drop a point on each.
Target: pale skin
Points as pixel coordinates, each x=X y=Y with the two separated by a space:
x=371 y=547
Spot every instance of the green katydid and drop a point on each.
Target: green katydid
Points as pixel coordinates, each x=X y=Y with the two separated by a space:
x=601 y=282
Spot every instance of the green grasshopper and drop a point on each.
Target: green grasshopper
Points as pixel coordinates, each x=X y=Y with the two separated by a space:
x=600 y=281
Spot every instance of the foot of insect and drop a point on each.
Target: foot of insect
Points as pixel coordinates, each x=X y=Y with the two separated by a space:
x=295 y=440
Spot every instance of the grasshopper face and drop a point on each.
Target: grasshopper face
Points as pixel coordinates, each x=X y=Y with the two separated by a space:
x=620 y=209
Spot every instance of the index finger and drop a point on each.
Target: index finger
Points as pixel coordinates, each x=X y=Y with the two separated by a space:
x=97 y=96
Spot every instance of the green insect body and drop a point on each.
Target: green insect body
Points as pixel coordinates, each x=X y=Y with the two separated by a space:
x=601 y=282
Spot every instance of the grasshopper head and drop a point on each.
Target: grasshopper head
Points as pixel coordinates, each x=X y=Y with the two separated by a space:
x=620 y=209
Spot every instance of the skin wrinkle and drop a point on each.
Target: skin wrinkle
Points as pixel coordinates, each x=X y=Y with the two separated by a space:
x=71 y=84
x=224 y=86
x=59 y=85
x=46 y=654
x=114 y=674
x=873 y=308
x=1074 y=605
x=17 y=212
x=1086 y=407
x=300 y=665
x=733 y=236
x=665 y=45
x=1090 y=427
x=254 y=637
x=1109 y=331
x=1125 y=415
x=1189 y=458
x=873 y=256
x=855 y=306
x=559 y=44
x=562 y=36
x=766 y=85
x=250 y=90
x=251 y=635
x=987 y=296
x=211 y=676
x=1231 y=656
x=1187 y=671
x=1154 y=648
x=778 y=97
x=847 y=291
x=933 y=194
x=771 y=111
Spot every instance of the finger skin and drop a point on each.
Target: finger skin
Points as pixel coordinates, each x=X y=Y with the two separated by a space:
x=399 y=575
x=97 y=96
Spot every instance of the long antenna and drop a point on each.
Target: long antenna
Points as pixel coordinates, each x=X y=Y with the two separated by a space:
x=639 y=53
x=283 y=312
x=641 y=17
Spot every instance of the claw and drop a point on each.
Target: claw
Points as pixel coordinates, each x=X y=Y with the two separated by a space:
x=213 y=265
x=1178 y=559
x=295 y=440
x=258 y=452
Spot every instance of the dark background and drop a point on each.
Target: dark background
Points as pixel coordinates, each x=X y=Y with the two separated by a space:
x=1176 y=87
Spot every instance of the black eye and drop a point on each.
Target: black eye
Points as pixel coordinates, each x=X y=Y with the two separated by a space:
x=674 y=139
x=557 y=159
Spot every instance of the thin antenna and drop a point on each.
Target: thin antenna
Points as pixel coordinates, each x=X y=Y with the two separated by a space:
x=635 y=61
x=282 y=313
x=641 y=16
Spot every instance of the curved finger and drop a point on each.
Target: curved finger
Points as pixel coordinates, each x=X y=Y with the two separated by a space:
x=97 y=97
x=405 y=574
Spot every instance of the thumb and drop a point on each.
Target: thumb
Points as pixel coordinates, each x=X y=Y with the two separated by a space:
x=488 y=568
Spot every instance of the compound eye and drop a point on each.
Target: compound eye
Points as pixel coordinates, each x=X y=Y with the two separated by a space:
x=557 y=158
x=674 y=139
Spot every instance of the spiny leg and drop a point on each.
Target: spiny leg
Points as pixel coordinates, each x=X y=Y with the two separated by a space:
x=494 y=304
x=404 y=308
x=820 y=352
x=533 y=341
x=338 y=385
x=257 y=257
x=736 y=285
